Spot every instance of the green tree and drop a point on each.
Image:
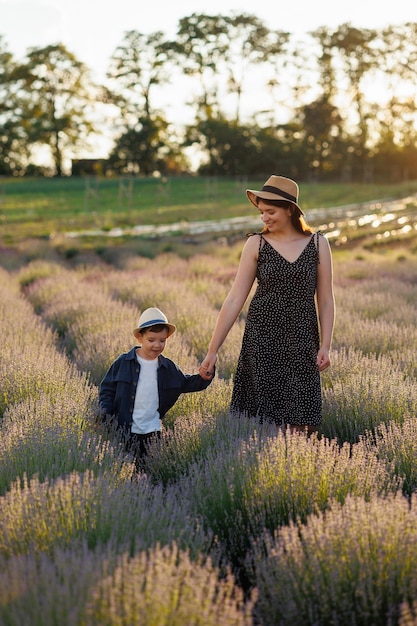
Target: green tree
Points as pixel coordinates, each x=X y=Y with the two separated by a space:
x=237 y=149
x=138 y=65
x=322 y=132
x=202 y=43
x=393 y=123
x=228 y=146
x=13 y=148
x=394 y=155
x=396 y=51
x=358 y=58
x=251 y=43
x=146 y=149
x=219 y=51
x=56 y=96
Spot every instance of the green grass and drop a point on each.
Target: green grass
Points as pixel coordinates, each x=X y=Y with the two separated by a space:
x=43 y=208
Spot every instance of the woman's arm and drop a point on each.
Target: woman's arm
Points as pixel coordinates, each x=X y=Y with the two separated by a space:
x=233 y=303
x=325 y=303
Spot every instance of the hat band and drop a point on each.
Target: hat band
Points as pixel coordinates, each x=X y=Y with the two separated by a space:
x=280 y=192
x=152 y=322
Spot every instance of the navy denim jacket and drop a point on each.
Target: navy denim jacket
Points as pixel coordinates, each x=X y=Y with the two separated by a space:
x=118 y=388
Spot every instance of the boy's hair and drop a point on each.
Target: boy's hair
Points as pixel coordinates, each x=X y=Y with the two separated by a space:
x=156 y=328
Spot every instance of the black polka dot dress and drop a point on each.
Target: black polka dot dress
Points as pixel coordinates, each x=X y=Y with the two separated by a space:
x=277 y=379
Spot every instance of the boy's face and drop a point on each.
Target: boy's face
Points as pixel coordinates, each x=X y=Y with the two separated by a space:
x=152 y=343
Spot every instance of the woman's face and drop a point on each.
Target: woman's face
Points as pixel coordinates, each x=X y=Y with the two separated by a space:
x=274 y=217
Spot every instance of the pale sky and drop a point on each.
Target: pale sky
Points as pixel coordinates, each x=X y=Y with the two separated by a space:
x=92 y=29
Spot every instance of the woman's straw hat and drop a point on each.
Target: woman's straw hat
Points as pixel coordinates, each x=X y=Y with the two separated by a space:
x=276 y=188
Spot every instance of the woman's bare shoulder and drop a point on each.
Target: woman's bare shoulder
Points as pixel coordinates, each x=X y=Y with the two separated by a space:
x=252 y=243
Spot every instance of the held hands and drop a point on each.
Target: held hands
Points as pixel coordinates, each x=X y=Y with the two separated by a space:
x=323 y=359
x=206 y=369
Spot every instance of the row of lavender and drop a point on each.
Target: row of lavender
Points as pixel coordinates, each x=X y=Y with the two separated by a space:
x=231 y=523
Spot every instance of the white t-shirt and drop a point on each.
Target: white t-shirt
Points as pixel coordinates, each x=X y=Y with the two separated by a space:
x=146 y=417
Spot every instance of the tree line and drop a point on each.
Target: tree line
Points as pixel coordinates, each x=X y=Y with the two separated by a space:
x=335 y=104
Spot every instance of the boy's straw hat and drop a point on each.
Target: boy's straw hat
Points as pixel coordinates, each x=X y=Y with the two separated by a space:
x=276 y=188
x=151 y=317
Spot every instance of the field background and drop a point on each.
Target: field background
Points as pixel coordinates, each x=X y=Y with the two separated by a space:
x=77 y=216
x=231 y=523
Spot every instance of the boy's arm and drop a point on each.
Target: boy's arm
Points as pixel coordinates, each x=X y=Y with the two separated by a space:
x=194 y=382
x=173 y=376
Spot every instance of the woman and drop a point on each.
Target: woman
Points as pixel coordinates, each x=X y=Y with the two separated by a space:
x=289 y=326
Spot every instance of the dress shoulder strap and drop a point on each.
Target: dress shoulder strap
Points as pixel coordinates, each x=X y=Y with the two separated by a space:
x=318 y=234
x=261 y=242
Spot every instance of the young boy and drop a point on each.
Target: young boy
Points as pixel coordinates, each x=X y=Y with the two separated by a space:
x=142 y=385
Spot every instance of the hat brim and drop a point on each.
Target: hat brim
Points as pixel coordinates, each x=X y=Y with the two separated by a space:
x=140 y=329
x=267 y=195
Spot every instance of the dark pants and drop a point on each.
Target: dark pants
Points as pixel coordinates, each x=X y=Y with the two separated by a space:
x=138 y=445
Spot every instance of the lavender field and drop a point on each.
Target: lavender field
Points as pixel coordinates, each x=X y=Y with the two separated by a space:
x=232 y=523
